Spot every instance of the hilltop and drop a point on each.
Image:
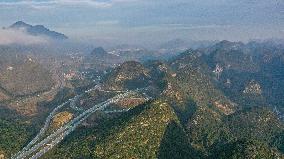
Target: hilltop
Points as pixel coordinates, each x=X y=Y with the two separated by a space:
x=38 y=30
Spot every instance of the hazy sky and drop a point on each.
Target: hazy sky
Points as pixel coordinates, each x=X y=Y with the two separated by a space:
x=151 y=20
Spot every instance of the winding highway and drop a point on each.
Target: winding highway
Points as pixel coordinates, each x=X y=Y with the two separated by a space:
x=44 y=128
x=36 y=148
x=48 y=120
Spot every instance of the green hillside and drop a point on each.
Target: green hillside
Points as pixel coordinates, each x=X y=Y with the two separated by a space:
x=148 y=131
x=13 y=136
x=129 y=75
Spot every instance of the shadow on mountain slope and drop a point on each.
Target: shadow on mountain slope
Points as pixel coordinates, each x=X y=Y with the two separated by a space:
x=175 y=144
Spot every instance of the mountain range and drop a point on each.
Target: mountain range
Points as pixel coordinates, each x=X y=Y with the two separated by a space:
x=194 y=113
x=221 y=101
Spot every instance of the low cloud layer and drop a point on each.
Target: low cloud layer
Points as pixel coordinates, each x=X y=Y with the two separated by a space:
x=9 y=36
